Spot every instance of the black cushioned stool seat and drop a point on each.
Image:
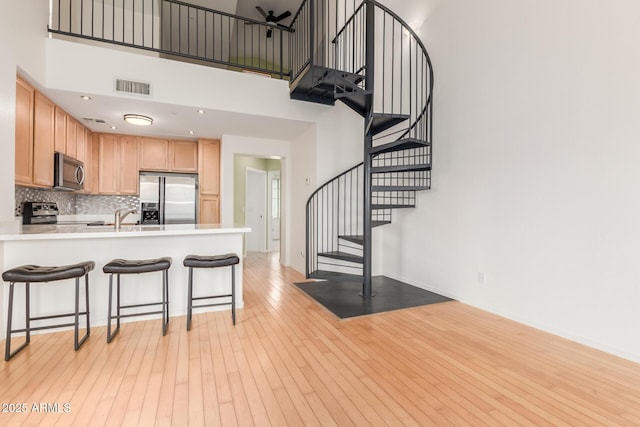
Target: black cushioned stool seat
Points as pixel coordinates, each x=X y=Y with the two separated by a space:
x=28 y=274
x=122 y=266
x=213 y=261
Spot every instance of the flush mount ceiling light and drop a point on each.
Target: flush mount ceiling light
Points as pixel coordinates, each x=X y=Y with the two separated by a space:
x=137 y=119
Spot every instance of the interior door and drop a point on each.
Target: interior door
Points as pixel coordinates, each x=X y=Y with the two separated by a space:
x=255 y=209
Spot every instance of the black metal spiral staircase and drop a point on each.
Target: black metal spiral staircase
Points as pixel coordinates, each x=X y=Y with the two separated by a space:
x=373 y=62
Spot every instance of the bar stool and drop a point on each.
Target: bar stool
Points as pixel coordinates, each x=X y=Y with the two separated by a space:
x=28 y=274
x=121 y=266
x=216 y=261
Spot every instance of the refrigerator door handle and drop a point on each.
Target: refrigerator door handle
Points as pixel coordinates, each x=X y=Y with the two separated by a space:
x=161 y=182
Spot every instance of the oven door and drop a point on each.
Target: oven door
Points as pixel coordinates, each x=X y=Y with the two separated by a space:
x=68 y=173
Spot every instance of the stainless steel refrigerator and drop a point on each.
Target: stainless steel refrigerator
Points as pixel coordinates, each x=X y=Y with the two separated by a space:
x=168 y=198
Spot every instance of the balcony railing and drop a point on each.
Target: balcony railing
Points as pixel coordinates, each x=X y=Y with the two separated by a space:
x=177 y=29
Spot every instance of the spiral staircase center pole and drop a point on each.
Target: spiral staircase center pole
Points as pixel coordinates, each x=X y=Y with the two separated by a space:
x=367 y=291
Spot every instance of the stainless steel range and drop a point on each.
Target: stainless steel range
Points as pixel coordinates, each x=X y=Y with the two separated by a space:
x=47 y=213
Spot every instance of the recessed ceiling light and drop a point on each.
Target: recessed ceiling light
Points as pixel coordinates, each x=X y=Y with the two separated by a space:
x=85 y=97
x=200 y=111
x=113 y=127
x=191 y=132
x=137 y=119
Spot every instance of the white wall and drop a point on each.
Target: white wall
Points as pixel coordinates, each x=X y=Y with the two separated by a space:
x=535 y=178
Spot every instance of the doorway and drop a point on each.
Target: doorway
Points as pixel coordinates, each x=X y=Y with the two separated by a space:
x=255 y=209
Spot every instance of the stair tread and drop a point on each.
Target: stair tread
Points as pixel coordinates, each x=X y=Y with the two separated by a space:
x=332 y=275
x=358 y=238
x=383 y=188
x=400 y=168
x=399 y=145
x=383 y=121
x=343 y=256
x=390 y=206
x=379 y=223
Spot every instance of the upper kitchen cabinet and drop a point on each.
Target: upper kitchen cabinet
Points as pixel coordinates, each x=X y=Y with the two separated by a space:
x=183 y=156
x=154 y=154
x=43 y=141
x=24 y=132
x=108 y=159
x=60 y=132
x=72 y=137
x=117 y=164
x=209 y=166
x=128 y=165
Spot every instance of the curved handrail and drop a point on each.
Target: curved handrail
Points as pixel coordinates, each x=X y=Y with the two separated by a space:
x=331 y=181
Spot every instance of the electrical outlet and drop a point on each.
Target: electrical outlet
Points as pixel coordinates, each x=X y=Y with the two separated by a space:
x=482 y=278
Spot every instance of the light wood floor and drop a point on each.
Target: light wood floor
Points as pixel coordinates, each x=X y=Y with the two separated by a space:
x=290 y=362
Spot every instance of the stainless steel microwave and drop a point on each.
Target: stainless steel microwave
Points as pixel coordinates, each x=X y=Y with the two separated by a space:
x=68 y=173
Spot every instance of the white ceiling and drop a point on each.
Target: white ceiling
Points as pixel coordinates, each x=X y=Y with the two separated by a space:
x=174 y=121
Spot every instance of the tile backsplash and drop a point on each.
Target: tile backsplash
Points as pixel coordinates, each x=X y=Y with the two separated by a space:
x=70 y=203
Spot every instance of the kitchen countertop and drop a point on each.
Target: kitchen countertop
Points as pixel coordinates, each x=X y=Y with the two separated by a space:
x=15 y=231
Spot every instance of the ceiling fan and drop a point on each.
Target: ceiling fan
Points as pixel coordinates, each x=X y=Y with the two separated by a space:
x=270 y=18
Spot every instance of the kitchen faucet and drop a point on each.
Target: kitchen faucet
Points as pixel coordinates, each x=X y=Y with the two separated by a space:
x=119 y=216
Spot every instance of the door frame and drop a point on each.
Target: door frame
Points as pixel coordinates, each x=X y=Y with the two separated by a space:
x=270 y=242
x=264 y=193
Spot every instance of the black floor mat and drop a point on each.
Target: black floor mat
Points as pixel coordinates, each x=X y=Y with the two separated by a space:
x=343 y=299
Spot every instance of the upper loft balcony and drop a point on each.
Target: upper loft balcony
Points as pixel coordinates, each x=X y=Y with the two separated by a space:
x=181 y=31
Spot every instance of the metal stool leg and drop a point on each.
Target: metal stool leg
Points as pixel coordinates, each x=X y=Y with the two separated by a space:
x=165 y=301
x=109 y=315
x=233 y=293
x=86 y=293
x=77 y=342
x=7 y=352
x=189 y=299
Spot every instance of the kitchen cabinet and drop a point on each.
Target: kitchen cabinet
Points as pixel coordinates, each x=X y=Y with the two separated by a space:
x=60 y=131
x=108 y=158
x=43 y=141
x=154 y=154
x=128 y=165
x=24 y=133
x=117 y=164
x=94 y=166
x=209 y=210
x=209 y=166
x=81 y=147
x=71 y=142
x=183 y=156
x=209 y=180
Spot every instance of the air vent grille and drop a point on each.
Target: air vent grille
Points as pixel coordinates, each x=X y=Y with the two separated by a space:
x=133 y=87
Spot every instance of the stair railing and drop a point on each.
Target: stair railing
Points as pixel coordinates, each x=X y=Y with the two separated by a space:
x=335 y=209
x=177 y=29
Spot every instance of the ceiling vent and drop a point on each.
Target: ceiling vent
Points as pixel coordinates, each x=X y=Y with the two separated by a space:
x=89 y=119
x=133 y=87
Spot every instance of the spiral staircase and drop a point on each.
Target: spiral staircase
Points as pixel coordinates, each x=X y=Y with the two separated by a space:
x=373 y=62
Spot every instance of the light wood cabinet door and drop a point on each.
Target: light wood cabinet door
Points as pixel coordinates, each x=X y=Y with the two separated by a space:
x=60 y=132
x=70 y=149
x=128 y=165
x=107 y=164
x=183 y=156
x=209 y=210
x=24 y=133
x=154 y=154
x=81 y=147
x=43 y=135
x=209 y=166
x=88 y=154
x=94 y=169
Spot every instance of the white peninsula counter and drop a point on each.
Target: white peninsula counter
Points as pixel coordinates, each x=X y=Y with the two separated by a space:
x=51 y=245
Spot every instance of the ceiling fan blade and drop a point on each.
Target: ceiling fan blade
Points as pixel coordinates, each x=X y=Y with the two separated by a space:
x=261 y=10
x=282 y=16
